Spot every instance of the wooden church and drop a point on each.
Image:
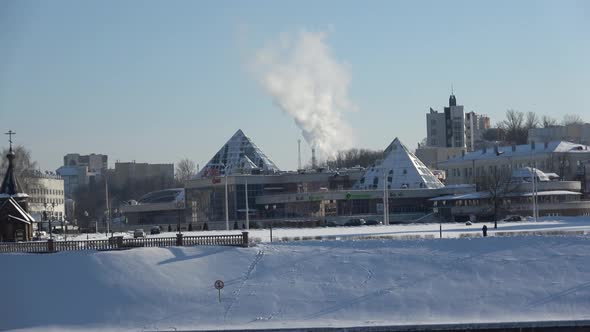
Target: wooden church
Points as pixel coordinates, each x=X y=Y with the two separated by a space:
x=16 y=224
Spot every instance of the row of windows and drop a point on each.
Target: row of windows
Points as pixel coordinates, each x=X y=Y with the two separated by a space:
x=47 y=192
x=479 y=170
x=43 y=200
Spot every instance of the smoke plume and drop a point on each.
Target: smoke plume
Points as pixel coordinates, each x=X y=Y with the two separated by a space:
x=306 y=82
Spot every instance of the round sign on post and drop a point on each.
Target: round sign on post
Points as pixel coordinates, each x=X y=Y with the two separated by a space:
x=219 y=285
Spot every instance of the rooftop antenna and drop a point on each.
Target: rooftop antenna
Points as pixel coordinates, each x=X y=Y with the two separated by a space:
x=10 y=133
x=299 y=154
x=452 y=91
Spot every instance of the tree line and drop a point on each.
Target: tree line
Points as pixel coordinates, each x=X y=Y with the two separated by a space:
x=514 y=129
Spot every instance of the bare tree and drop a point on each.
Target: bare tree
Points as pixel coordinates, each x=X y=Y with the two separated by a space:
x=514 y=127
x=25 y=167
x=532 y=121
x=570 y=119
x=547 y=121
x=185 y=170
x=354 y=157
x=497 y=182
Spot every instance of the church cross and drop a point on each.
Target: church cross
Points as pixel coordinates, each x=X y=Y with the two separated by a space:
x=10 y=133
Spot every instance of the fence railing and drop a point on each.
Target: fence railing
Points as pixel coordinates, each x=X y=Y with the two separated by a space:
x=116 y=243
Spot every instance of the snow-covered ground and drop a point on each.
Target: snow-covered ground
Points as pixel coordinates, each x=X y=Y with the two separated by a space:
x=306 y=283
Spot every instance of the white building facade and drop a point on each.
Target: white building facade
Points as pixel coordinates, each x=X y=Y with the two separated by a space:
x=47 y=195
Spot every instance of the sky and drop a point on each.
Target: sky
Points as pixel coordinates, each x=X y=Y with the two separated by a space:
x=159 y=81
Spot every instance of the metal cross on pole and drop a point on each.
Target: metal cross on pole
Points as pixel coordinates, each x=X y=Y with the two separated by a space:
x=10 y=133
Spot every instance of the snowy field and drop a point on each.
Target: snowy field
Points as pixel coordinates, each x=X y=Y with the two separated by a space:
x=305 y=284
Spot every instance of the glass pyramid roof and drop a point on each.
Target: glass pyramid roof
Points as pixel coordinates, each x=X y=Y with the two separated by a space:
x=241 y=156
x=401 y=169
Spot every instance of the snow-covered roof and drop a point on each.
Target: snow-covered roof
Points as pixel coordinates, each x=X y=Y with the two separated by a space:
x=162 y=196
x=526 y=173
x=524 y=150
x=68 y=170
x=238 y=154
x=402 y=169
x=485 y=194
x=23 y=216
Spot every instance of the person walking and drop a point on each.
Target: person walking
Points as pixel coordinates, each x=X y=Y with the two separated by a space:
x=484 y=229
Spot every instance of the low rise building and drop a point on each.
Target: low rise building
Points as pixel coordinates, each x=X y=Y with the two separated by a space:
x=432 y=156
x=566 y=159
x=163 y=207
x=575 y=133
x=519 y=197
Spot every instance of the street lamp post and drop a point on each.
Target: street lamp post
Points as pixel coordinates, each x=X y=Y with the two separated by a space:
x=179 y=206
x=52 y=206
x=534 y=175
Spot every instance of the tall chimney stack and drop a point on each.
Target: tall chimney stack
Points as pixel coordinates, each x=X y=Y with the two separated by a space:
x=313 y=160
x=298 y=154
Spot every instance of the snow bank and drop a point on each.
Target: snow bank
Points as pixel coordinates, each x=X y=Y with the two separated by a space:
x=450 y=230
x=300 y=284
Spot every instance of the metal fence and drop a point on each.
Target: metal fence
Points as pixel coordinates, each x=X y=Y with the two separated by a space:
x=117 y=243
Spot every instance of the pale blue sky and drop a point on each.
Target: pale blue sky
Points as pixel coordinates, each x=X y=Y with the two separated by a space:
x=157 y=81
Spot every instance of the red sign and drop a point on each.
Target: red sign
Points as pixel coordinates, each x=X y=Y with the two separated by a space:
x=219 y=284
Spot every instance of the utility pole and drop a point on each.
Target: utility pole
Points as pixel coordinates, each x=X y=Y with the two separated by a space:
x=247 y=209
x=534 y=175
x=226 y=201
x=298 y=154
x=106 y=186
x=385 y=199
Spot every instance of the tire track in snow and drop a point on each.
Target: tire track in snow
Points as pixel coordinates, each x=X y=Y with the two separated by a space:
x=246 y=277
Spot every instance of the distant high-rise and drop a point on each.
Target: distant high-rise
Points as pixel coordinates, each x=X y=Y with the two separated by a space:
x=96 y=163
x=453 y=128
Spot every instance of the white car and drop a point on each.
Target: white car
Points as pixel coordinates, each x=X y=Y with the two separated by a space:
x=138 y=233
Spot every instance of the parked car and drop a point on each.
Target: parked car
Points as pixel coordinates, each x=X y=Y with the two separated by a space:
x=138 y=233
x=372 y=222
x=512 y=218
x=155 y=230
x=355 y=222
x=468 y=223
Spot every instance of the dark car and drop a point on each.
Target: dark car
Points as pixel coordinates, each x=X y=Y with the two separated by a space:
x=355 y=222
x=372 y=222
x=513 y=218
x=155 y=230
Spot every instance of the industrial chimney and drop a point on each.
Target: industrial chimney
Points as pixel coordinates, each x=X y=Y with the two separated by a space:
x=314 y=164
x=298 y=154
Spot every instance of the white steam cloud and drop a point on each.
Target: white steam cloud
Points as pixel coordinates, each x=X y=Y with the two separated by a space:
x=306 y=82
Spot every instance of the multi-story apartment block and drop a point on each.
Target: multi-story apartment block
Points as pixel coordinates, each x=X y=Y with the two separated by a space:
x=96 y=163
x=127 y=172
x=475 y=125
x=454 y=128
